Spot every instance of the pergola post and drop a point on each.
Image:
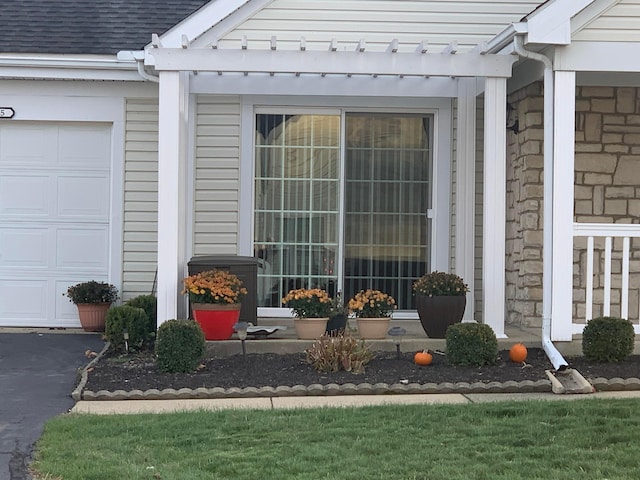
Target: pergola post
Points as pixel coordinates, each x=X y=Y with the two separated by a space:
x=172 y=159
x=494 y=208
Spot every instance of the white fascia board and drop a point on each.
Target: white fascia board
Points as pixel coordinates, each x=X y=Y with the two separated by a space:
x=63 y=67
x=552 y=23
x=264 y=84
x=229 y=23
x=201 y=21
x=590 y=13
x=327 y=62
x=598 y=57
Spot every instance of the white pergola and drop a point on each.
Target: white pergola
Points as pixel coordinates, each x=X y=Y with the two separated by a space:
x=183 y=70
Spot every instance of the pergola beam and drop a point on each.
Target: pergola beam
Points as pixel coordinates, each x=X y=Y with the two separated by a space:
x=316 y=85
x=331 y=62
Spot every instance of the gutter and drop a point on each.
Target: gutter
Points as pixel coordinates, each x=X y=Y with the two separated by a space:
x=504 y=40
x=557 y=360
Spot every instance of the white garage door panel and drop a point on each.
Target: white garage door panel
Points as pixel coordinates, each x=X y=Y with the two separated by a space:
x=24 y=247
x=88 y=154
x=24 y=195
x=23 y=299
x=28 y=145
x=55 y=183
x=83 y=196
x=83 y=248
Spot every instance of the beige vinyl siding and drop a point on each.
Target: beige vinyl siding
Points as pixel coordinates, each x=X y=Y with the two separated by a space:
x=217 y=179
x=620 y=23
x=140 y=197
x=378 y=22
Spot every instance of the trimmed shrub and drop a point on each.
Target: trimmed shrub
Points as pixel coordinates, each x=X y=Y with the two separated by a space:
x=179 y=346
x=338 y=352
x=149 y=303
x=608 y=339
x=131 y=319
x=471 y=344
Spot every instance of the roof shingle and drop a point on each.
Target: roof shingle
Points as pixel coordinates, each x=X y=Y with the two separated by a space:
x=87 y=26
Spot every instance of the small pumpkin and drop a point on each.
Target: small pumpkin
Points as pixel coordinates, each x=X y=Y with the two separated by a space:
x=518 y=353
x=423 y=358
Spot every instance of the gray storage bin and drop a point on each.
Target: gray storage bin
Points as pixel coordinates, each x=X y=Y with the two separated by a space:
x=246 y=268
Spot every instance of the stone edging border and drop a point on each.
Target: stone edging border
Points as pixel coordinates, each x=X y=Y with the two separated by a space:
x=333 y=389
x=84 y=375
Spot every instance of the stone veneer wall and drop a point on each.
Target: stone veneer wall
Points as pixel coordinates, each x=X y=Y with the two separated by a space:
x=524 y=208
x=607 y=190
x=607 y=187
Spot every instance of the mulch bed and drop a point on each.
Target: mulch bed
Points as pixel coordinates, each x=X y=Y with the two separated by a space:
x=139 y=371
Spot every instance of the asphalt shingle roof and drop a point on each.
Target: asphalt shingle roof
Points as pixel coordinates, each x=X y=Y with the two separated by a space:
x=87 y=26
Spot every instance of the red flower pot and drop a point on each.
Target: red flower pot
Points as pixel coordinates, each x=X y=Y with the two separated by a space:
x=216 y=321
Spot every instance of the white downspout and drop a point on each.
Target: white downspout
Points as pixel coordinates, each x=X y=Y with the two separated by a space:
x=557 y=360
x=144 y=74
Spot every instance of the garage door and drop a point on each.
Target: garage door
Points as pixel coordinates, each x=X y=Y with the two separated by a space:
x=54 y=218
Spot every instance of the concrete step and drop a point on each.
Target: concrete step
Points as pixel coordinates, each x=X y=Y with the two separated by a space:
x=285 y=341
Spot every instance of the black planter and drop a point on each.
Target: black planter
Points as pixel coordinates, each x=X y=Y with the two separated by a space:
x=437 y=313
x=336 y=324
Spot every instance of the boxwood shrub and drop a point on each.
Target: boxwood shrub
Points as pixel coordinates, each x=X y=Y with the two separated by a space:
x=131 y=319
x=179 y=346
x=471 y=344
x=149 y=304
x=608 y=339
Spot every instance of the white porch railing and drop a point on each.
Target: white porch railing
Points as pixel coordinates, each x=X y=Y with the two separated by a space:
x=602 y=271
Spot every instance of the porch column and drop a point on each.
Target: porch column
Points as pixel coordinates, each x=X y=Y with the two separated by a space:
x=494 y=208
x=465 y=189
x=563 y=197
x=172 y=159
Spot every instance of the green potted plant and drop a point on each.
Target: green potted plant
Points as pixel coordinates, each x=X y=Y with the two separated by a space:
x=215 y=297
x=440 y=300
x=93 y=299
x=311 y=308
x=372 y=309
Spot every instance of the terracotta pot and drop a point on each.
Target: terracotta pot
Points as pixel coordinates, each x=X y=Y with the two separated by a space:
x=438 y=313
x=92 y=316
x=373 y=328
x=215 y=320
x=310 y=328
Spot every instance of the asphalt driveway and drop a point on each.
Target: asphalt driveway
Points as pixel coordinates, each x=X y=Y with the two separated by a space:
x=38 y=372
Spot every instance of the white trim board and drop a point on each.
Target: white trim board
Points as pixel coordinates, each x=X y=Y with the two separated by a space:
x=439 y=108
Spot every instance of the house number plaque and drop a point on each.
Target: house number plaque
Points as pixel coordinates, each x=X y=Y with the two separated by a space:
x=7 y=112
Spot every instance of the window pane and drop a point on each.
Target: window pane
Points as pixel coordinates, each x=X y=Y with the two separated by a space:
x=386 y=193
x=296 y=209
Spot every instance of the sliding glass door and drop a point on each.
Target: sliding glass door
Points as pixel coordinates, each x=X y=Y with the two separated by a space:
x=385 y=201
x=341 y=208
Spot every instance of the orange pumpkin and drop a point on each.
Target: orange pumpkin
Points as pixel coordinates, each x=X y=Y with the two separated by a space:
x=423 y=358
x=518 y=353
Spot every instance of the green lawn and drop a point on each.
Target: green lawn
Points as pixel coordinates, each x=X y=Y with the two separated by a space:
x=589 y=439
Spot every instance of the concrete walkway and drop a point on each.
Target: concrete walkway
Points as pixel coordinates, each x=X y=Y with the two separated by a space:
x=269 y=403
